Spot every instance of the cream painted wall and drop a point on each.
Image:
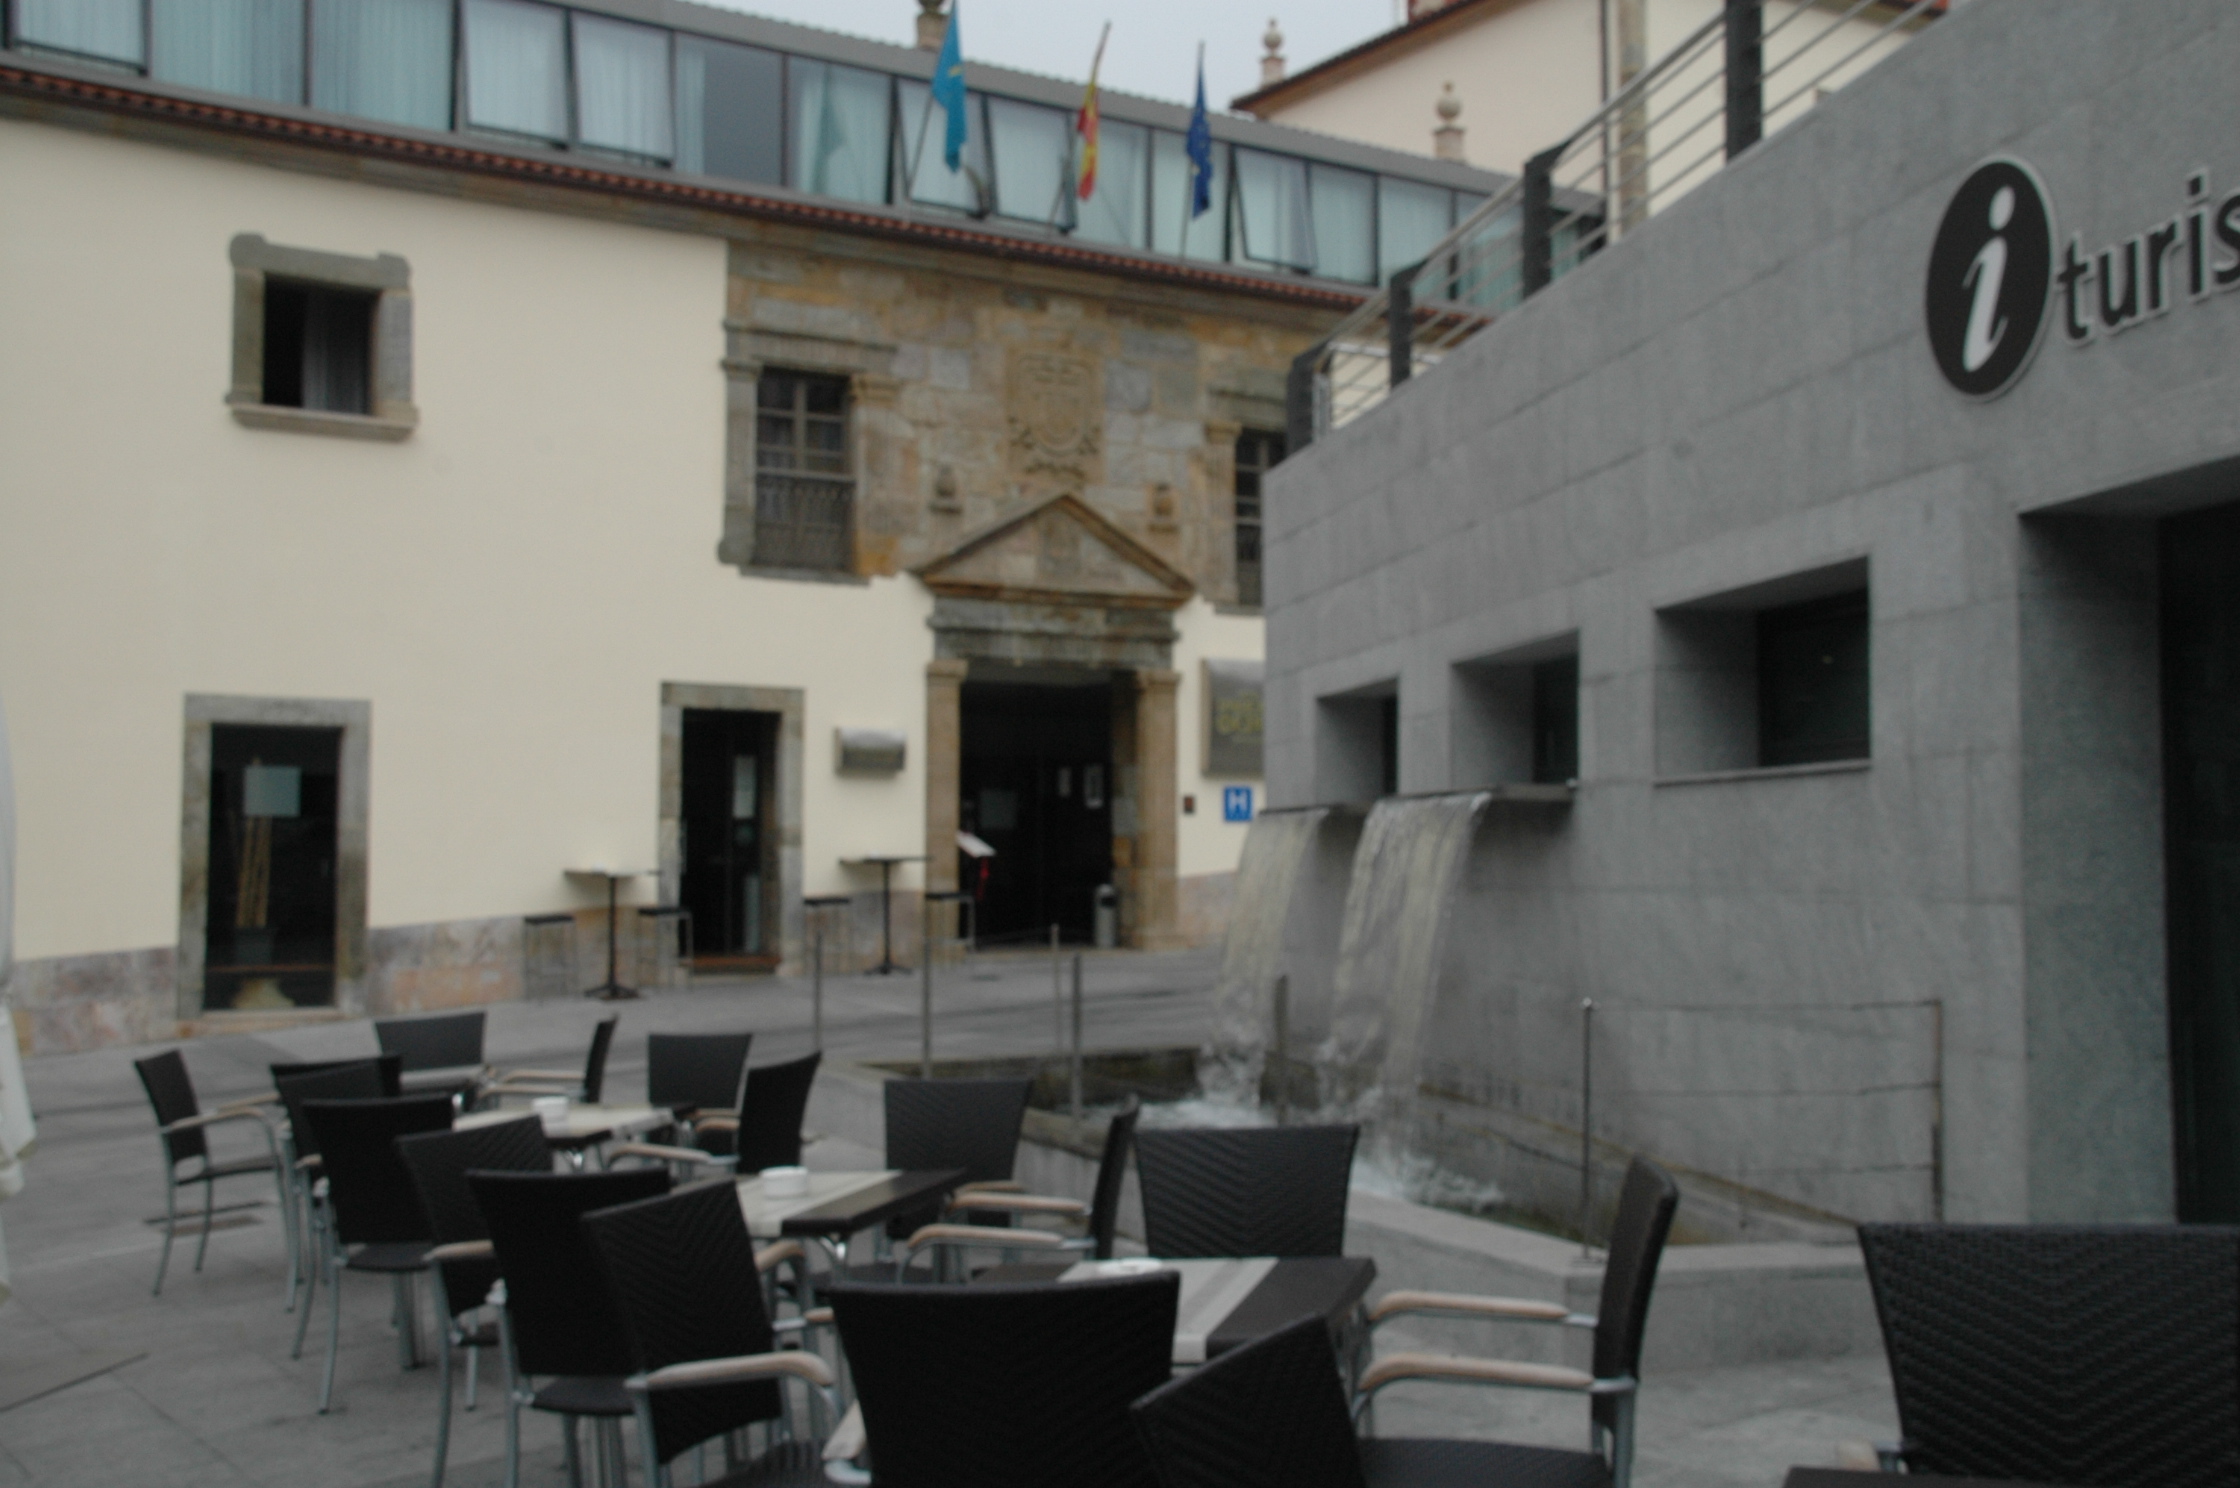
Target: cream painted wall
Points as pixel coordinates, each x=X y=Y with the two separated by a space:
x=508 y=588
x=1206 y=843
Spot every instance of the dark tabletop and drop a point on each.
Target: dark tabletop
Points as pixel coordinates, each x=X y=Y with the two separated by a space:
x=1846 y=1477
x=904 y=1193
x=1301 y=1286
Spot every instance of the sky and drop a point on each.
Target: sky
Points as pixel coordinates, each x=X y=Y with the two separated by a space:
x=1154 y=43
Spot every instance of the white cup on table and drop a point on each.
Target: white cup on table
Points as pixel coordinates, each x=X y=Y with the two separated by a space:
x=552 y=1111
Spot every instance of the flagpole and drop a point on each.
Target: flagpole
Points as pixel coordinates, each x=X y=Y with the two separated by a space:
x=917 y=156
x=1190 y=172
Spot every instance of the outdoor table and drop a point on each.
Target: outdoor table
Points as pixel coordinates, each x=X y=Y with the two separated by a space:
x=452 y=1079
x=587 y=1124
x=610 y=990
x=838 y=1205
x=1227 y=1303
x=887 y=962
x=1851 y=1477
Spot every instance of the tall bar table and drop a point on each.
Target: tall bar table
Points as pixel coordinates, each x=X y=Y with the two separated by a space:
x=887 y=964
x=610 y=990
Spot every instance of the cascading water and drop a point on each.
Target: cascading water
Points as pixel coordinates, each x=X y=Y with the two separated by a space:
x=1389 y=955
x=1275 y=847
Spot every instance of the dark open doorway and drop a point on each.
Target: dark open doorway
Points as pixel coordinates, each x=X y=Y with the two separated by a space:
x=728 y=852
x=2201 y=788
x=270 y=927
x=1038 y=788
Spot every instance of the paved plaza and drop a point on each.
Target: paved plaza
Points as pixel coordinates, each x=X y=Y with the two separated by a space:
x=207 y=1394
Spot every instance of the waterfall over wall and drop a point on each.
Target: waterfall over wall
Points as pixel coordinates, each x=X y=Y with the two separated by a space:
x=1404 y=878
x=1275 y=847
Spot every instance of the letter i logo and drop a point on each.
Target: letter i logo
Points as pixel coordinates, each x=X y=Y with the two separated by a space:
x=1988 y=275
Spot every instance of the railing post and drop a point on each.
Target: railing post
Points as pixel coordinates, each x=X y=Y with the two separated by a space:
x=1746 y=95
x=1538 y=225
x=1400 y=325
x=1076 y=1081
x=1299 y=398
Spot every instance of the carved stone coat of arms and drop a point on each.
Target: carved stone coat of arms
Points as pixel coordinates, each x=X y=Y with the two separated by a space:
x=1057 y=415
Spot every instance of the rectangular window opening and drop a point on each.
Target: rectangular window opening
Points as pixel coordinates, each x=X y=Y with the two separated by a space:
x=1258 y=452
x=804 y=486
x=1812 y=681
x=1516 y=716
x=318 y=347
x=1775 y=675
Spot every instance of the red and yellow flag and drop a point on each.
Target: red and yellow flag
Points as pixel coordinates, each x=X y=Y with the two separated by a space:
x=1086 y=124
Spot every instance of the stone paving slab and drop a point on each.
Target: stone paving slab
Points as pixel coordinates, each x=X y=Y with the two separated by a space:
x=218 y=1401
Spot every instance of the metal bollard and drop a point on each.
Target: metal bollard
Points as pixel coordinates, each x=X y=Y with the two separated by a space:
x=1283 y=1051
x=1586 y=1121
x=925 y=989
x=816 y=987
x=1077 y=1036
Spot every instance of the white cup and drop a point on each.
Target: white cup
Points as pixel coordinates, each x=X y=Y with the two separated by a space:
x=552 y=1110
x=785 y=1183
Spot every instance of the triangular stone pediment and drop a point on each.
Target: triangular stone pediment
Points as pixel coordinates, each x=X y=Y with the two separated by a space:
x=1060 y=551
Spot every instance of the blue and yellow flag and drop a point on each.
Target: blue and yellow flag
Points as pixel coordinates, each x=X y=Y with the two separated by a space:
x=948 y=90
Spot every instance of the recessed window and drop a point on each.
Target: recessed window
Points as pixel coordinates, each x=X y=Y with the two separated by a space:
x=318 y=347
x=804 y=486
x=1258 y=452
x=1516 y=716
x=322 y=342
x=1812 y=681
x=1357 y=744
x=1555 y=720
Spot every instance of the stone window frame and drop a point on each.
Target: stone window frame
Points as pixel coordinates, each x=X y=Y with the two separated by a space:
x=388 y=276
x=790 y=705
x=354 y=718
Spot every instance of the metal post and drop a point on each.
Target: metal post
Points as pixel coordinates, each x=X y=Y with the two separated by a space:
x=925 y=991
x=1057 y=995
x=1586 y=1121
x=1299 y=399
x=1283 y=1051
x=816 y=984
x=1077 y=1036
x=1746 y=92
x=1538 y=225
x=1400 y=325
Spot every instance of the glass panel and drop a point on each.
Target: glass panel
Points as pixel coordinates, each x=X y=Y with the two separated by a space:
x=383 y=59
x=1488 y=271
x=931 y=181
x=1173 y=229
x=1033 y=149
x=840 y=130
x=622 y=86
x=730 y=111
x=1813 y=682
x=1345 y=219
x=96 y=28
x=1272 y=209
x=1411 y=217
x=517 y=68
x=1114 y=212
x=250 y=47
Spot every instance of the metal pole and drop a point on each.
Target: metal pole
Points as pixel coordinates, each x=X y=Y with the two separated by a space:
x=816 y=983
x=1283 y=1051
x=1746 y=103
x=1077 y=1036
x=1586 y=1120
x=1057 y=994
x=1538 y=221
x=925 y=991
x=1400 y=325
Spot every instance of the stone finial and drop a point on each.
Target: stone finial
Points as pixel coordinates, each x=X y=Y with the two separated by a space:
x=932 y=25
x=1271 y=66
x=1446 y=140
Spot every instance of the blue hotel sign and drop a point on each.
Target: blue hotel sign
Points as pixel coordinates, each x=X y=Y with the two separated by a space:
x=1236 y=803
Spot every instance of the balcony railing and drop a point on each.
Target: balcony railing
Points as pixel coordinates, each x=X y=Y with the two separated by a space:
x=804 y=521
x=1750 y=69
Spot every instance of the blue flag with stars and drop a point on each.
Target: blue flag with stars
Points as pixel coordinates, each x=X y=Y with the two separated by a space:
x=948 y=90
x=1199 y=144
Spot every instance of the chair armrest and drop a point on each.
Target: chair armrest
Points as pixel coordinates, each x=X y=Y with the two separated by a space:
x=1457 y=1369
x=565 y=1077
x=993 y=1185
x=670 y=1154
x=737 y=1369
x=212 y=1118
x=989 y=1235
x=1019 y=1204
x=309 y=1163
x=815 y=1317
x=777 y=1253
x=847 y=1438
x=1464 y=1304
x=250 y=1103
x=716 y=1123
x=571 y=1088
x=463 y=1250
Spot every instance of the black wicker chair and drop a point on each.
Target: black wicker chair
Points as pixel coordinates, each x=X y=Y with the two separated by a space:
x=1271 y=1414
x=355 y=1079
x=1102 y=1213
x=968 y=1124
x=390 y=1067
x=374 y=1220
x=2072 y=1354
x=466 y=1264
x=694 y=1072
x=560 y=1322
x=447 y=1042
x=536 y=1082
x=1245 y=1191
x=1000 y=1386
x=766 y=1132
x=1645 y=1209
x=682 y=1271
x=183 y=1126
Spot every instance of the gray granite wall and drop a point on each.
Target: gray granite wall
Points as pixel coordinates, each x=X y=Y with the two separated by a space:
x=1928 y=982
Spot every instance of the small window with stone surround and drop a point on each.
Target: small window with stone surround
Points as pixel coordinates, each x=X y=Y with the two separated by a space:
x=1258 y=452
x=804 y=482
x=322 y=342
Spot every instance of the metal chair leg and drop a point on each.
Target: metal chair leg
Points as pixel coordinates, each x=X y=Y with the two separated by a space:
x=407 y=1314
x=568 y=1451
x=513 y=1401
x=310 y=1288
x=170 y=1218
x=334 y=1326
x=209 y=1200
x=474 y=1366
x=288 y=1227
x=443 y=1412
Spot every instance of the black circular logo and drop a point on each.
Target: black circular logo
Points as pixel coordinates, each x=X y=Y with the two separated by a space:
x=1988 y=277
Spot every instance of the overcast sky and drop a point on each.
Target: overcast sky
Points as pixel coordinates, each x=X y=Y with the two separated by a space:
x=1154 y=43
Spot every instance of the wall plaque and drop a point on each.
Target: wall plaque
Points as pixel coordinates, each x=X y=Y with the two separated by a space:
x=1233 y=717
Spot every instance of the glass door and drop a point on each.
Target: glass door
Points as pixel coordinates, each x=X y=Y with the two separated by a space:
x=729 y=781
x=269 y=937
